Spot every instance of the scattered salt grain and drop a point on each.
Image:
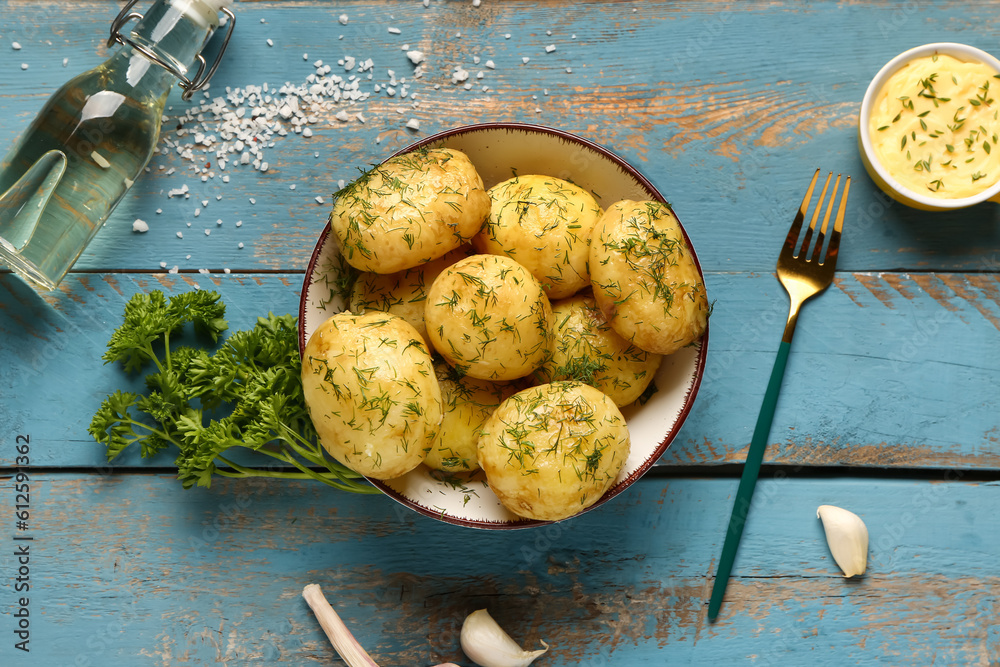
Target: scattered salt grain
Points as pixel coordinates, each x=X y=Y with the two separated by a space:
x=394 y=31
x=270 y=43
x=24 y=66
x=239 y=223
x=292 y=186
x=416 y=57
x=197 y=212
x=65 y=62
x=16 y=46
x=180 y=235
x=174 y=270
x=140 y=226
x=343 y=19
x=208 y=232
x=240 y=245
x=413 y=124
x=163 y=265
x=525 y=60
x=320 y=200
x=550 y=48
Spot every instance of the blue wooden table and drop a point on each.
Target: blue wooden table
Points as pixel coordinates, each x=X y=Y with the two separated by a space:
x=890 y=406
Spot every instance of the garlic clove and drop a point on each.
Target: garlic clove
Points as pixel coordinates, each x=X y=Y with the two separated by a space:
x=847 y=536
x=487 y=645
x=344 y=643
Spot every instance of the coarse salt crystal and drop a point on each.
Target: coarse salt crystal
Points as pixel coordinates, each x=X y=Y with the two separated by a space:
x=240 y=245
x=320 y=200
x=24 y=66
x=525 y=60
x=208 y=232
x=180 y=235
x=413 y=124
x=239 y=223
x=394 y=31
x=140 y=226
x=416 y=57
x=550 y=48
x=163 y=265
x=270 y=43
x=343 y=19
x=491 y=64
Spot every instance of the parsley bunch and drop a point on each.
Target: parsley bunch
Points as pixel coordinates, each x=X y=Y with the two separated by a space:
x=246 y=394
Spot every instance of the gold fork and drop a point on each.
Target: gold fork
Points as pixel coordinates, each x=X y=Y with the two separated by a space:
x=804 y=270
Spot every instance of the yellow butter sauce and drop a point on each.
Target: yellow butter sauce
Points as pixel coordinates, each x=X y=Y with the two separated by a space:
x=935 y=125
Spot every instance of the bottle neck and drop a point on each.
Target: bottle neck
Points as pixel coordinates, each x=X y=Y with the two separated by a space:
x=176 y=31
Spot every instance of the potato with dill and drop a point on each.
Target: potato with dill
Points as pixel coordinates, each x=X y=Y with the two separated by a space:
x=411 y=209
x=402 y=293
x=489 y=318
x=371 y=392
x=545 y=224
x=553 y=450
x=587 y=349
x=467 y=404
x=645 y=277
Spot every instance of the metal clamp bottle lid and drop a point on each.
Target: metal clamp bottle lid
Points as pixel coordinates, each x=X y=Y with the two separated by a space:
x=200 y=79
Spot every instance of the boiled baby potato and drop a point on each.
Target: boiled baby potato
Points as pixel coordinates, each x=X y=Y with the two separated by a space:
x=371 y=393
x=588 y=349
x=544 y=223
x=553 y=450
x=410 y=209
x=489 y=318
x=402 y=293
x=645 y=278
x=467 y=403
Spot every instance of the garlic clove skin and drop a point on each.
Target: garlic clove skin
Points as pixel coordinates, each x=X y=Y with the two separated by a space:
x=847 y=537
x=487 y=645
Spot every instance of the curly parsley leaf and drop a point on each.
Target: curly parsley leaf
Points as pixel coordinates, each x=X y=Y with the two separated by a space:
x=245 y=395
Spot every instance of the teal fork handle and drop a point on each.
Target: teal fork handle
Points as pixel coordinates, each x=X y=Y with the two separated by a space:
x=748 y=481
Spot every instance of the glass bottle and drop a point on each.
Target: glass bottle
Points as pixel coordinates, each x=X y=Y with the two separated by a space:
x=66 y=173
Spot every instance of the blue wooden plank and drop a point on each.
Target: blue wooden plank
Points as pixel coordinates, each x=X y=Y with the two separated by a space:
x=885 y=369
x=666 y=86
x=131 y=570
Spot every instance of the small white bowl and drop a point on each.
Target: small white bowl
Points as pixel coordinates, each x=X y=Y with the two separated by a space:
x=500 y=150
x=879 y=173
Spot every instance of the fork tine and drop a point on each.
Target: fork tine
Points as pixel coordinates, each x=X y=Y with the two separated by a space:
x=804 y=250
x=791 y=241
x=817 y=253
x=838 y=226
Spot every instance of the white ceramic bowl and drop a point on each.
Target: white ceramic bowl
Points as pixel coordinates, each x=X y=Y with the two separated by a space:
x=878 y=173
x=499 y=150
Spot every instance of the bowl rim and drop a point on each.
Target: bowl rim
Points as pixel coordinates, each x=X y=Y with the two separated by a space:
x=964 y=51
x=699 y=362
